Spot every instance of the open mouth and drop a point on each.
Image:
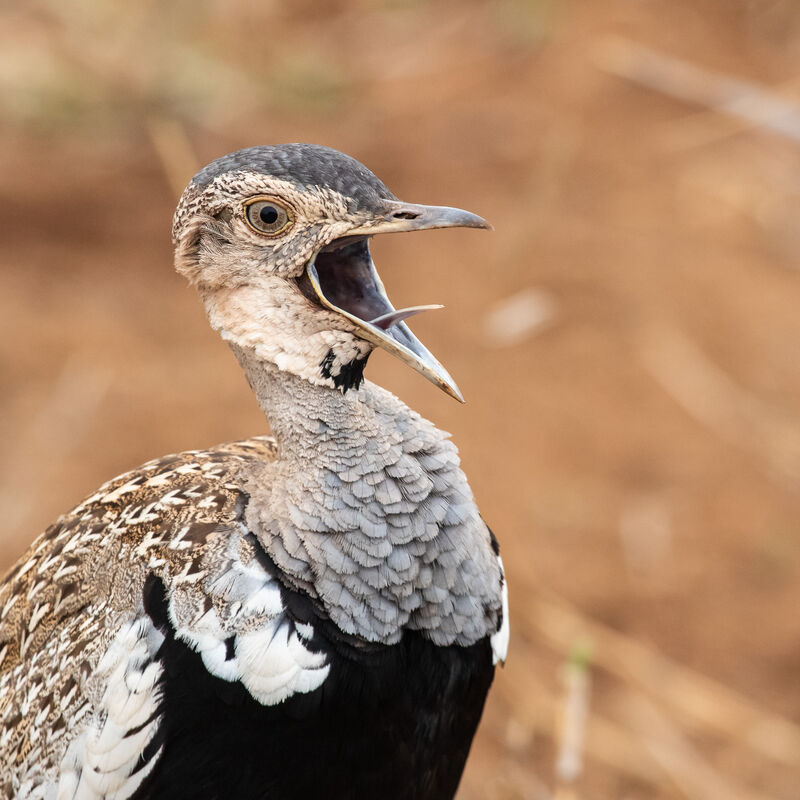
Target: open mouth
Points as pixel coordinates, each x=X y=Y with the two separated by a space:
x=346 y=278
x=342 y=277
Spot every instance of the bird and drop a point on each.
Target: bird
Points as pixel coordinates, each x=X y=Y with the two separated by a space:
x=314 y=613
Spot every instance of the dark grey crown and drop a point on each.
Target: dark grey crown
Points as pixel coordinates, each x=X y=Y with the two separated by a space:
x=306 y=165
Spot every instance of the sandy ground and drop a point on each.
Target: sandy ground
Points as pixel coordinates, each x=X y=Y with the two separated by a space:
x=626 y=339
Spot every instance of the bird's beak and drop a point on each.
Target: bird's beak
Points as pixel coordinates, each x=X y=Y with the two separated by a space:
x=401 y=217
x=343 y=278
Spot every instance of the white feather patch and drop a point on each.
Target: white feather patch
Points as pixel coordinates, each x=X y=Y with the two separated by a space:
x=247 y=636
x=102 y=761
x=499 y=640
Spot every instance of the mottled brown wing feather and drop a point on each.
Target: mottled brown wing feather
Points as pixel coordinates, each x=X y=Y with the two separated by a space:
x=65 y=598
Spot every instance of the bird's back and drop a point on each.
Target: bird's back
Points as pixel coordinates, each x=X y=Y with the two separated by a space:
x=66 y=598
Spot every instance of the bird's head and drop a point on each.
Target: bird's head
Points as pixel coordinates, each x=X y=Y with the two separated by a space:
x=276 y=238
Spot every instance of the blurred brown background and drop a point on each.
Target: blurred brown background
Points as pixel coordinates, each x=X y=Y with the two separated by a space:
x=628 y=339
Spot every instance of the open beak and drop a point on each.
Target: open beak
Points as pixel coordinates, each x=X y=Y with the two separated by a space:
x=343 y=278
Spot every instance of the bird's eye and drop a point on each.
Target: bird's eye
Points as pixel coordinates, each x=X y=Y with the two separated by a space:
x=267 y=216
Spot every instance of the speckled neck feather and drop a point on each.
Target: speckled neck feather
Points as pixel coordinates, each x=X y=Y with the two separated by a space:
x=367 y=510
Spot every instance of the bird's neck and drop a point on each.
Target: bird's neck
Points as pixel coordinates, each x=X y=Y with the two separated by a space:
x=321 y=424
x=367 y=510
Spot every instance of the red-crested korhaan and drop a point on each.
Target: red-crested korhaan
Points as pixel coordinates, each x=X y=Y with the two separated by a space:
x=314 y=614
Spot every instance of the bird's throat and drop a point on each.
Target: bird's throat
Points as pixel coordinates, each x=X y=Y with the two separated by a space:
x=310 y=420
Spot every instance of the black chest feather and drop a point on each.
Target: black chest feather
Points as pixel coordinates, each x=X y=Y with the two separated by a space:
x=395 y=722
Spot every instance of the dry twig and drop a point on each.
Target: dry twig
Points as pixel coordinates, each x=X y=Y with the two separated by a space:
x=750 y=103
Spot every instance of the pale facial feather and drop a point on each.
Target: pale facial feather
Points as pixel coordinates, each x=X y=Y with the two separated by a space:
x=270 y=318
x=233 y=250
